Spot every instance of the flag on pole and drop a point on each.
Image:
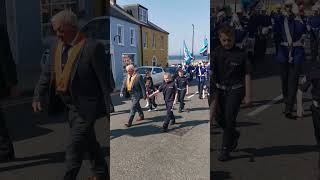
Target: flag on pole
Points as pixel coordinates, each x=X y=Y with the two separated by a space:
x=187 y=55
x=204 y=49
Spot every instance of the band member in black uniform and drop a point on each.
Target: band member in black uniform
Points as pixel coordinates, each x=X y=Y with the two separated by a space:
x=170 y=94
x=183 y=89
x=232 y=83
x=313 y=78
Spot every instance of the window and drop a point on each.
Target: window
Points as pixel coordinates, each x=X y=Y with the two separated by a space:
x=162 y=43
x=120 y=34
x=145 y=40
x=157 y=70
x=154 y=41
x=132 y=37
x=143 y=15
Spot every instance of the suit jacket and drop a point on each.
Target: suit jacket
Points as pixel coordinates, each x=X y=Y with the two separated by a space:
x=138 y=87
x=89 y=86
x=8 y=74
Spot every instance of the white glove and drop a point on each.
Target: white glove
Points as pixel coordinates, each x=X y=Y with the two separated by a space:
x=121 y=95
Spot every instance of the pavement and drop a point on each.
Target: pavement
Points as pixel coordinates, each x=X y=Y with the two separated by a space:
x=270 y=146
x=144 y=152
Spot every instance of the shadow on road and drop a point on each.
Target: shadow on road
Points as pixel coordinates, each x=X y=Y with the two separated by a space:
x=38 y=160
x=220 y=175
x=277 y=150
x=151 y=129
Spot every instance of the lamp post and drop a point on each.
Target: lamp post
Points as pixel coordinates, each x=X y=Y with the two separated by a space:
x=192 y=38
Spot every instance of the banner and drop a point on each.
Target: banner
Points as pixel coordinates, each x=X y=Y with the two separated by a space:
x=187 y=55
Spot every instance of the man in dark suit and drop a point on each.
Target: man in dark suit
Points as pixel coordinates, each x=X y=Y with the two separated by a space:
x=77 y=73
x=134 y=86
x=8 y=84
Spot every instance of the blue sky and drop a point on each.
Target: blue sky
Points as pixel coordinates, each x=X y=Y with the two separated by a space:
x=177 y=17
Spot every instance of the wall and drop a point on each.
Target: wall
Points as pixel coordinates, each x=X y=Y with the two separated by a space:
x=119 y=50
x=149 y=53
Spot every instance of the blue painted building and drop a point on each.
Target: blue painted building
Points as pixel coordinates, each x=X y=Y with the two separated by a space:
x=124 y=41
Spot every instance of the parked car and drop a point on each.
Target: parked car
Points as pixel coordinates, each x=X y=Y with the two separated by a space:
x=173 y=71
x=156 y=73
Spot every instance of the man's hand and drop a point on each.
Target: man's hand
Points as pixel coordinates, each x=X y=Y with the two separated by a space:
x=121 y=95
x=174 y=102
x=36 y=106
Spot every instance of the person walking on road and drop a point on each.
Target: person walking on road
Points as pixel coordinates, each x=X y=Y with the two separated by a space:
x=232 y=83
x=152 y=100
x=170 y=95
x=183 y=89
x=134 y=87
x=313 y=26
x=82 y=83
x=201 y=78
x=313 y=79
x=291 y=54
x=8 y=87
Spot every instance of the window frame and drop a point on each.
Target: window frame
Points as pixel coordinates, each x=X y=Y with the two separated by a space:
x=120 y=36
x=132 y=37
x=145 y=40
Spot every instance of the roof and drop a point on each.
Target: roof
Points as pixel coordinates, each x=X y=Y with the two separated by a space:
x=135 y=5
x=149 y=24
x=157 y=27
x=117 y=12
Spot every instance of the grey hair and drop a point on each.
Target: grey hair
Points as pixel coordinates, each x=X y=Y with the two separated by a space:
x=66 y=17
x=130 y=66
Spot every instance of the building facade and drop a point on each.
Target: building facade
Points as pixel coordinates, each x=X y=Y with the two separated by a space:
x=153 y=40
x=154 y=47
x=124 y=41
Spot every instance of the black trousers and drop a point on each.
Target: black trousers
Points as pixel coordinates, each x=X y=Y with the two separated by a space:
x=152 y=102
x=228 y=105
x=200 y=87
x=314 y=48
x=135 y=107
x=316 y=122
x=181 y=95
x=170 y=115
x=82 y=145
x=6 y=147
x=290 y=73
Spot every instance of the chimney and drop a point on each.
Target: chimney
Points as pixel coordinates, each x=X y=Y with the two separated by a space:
x=113 y=2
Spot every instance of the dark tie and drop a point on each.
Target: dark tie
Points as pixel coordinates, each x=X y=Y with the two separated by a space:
x=64 y=56
x=130 y=78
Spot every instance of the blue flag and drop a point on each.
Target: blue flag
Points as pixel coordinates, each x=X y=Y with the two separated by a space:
x=204 y=49
x=187 y=55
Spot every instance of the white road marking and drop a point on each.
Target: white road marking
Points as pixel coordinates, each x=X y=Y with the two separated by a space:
x=264 y=107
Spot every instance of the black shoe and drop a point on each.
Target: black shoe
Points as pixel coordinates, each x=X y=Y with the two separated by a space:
x=173 y=122
x=289 y=115
x=224 y=155
x=235 y=143
x=180 y=111
x=112 y=110
x=128 y=125
x=165 y=127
